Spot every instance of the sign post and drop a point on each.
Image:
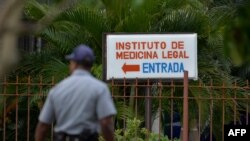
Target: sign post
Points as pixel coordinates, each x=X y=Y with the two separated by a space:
x=153 y=56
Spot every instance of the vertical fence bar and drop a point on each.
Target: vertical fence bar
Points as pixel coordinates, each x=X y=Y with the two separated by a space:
x=136 y=95
x=4 y=118
x=148 y=107
x=185 y=107
x=160 y=107
x=124 y=100
x=4 y=108
x=171 y=109
x=40 y=86
x=16 y=135
x=211 y=111
x=223 y=109
x=235 y=102
x=199 y=110
x=28 y=118
x=247 y=110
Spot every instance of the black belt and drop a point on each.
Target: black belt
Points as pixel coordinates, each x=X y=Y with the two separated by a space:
x=84 y=136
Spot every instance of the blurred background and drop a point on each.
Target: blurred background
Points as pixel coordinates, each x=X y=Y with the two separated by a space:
x=35 y=35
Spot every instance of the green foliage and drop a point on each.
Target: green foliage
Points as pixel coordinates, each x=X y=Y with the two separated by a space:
x=84 y=24
x=237 y=36
x=35 y=10
x=134 y=132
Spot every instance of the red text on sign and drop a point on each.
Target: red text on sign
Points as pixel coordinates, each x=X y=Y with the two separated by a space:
x=177 y=45
x=140 y=45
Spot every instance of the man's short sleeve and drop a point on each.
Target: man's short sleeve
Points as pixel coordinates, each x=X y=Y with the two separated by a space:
x=47 y=114
x=105 y=105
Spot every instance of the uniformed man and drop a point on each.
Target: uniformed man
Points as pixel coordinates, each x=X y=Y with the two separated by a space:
x=80 y=105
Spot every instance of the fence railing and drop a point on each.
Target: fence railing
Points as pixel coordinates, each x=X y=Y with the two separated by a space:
x=160 y=105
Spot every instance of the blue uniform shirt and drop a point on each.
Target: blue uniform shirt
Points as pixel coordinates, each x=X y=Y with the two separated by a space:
x=77 y=103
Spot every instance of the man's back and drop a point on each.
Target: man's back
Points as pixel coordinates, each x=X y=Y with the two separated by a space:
x=78 y=102
x=80 y=105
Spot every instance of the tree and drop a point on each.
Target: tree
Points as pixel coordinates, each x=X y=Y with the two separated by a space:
x=237 y=37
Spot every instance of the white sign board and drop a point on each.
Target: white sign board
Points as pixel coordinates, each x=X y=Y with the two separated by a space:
x=152 y=56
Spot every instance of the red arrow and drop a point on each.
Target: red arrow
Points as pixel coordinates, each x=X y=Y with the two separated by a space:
x=127 y=68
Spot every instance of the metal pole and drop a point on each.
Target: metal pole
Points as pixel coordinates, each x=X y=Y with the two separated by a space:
x=148 y=107
x=185 y=107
